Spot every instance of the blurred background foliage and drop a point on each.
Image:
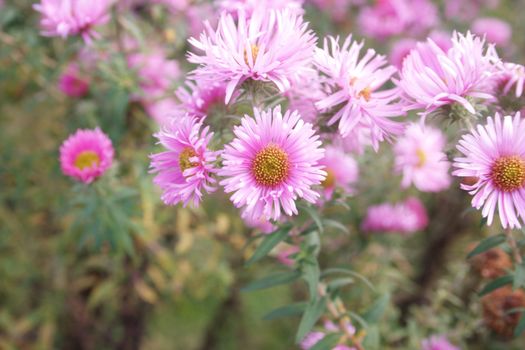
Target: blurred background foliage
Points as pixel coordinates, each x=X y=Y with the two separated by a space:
x=133 y=273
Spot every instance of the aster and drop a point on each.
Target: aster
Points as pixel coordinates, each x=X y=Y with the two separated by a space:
x=437 y=343
x=420 y=158
x=403 y=217
x=274 y=46
x=198 y=99
x=272 y=162
x=341 y=169
x=86 y=155
x=494 y=30
x=72 y=17
x=511 y=75
x=494 y=154
x=72 y=82
x=185 y=170
x=354 y=86
x=432 y=78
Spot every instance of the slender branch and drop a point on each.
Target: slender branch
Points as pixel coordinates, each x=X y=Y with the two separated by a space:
x=513 y=246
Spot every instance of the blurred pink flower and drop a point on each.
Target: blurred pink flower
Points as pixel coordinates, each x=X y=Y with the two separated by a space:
x=184 y=171
x=162 y=110
x=72 y=17
x=311 y=339
x=303 y=94
x=156 y=73
x=272 y=46
x=419 y=156
x=197 y=14
x=249 y=7
x=272 y=161
x=197 y=99
x=495 y=30
x=341 y=169
x=72 y=83
x=437 y=343
x=283 y=256
x=354 y=87
x=86 y=155
x=442 y=39
x=432 y=78
x=464 y=10
x=494 y=154
x=395 y=17
x=400 y=50
x=404 y=218
x=511 y=75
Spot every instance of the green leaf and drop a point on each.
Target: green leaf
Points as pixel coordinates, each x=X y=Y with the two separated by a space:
x=285 y=311
x=272 y=280
x=519 y=276
x=359 y=319
x=350 y=273
x=315 y=216
x=328 y=342
x=340 y=282
x=486 y=244
x=495 y=284
x=268 y=243
x=337 y=225
x=521 y=326
x=374 y=313
x=313 y=312
x=310 y=273
x=372 y=340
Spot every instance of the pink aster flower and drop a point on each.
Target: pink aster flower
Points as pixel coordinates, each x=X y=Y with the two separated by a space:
x=341 y=169
x=494 y=154
x=304 y=93
x=420 y=157
x=273 y=46
x=393 y=17
x=198 y=99
x=261 y=224
x=86 y=155
x=495 y=30
x=432 y=78
x=441 y=39
x=156 y=73
x=511 y=75
x=251 y=6
x=272 y=162
x=72 y=82
x=162 y=110
x=184 y=171
x=437 y=343
x=72 y=17
x=400 y=50
x=405 y=218
x=466 y=10
x=355 y=89
x=284 y=255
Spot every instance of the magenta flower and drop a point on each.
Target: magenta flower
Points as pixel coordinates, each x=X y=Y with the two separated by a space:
x=354 y=86
x=72 y=17
x=511 y=75
x=495 y=30
x=400 y=50
x=162 y=110
x=249 y=7
x=494 y=154
x=405 y=218
x=260 y=224
x=198 y=99
x=184 y=171
x=433 y=78
x=72 y=83
x=388 y=18
x=311 y=339
x=156 y=73
x=272 y=46
x=272 y=162
x=304 y=93
x=421 y=160
x=341 y=169
x=437 y=343
x=86 y=155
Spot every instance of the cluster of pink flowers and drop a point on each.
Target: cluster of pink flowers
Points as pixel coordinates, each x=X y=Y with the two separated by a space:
x=405 y=217
x=312 y=338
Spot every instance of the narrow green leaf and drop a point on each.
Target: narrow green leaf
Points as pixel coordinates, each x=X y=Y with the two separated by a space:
x=313 y=312
x=268 y=243
x=350 y=273
x=315 y=216
x=519 y=276
x=521 y=326
x=327 y=343
x=372 y=339
x=340 y=282
x=272 y=280
x=310 y=273
x=285 y=311
x=374 y=313
x=358 y=318
x=486 y=244
x=336 y=224
x=495 y=284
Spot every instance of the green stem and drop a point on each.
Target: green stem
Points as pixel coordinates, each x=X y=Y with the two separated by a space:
x=513 y=246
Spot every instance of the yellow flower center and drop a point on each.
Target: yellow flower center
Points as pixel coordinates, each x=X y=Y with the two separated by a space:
x=508 y=173
x=255 y=52
x=270 y=166
x=422 y=157
x=184 y=159
x=329 y=181
x=365 y=93
x=86 y=159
